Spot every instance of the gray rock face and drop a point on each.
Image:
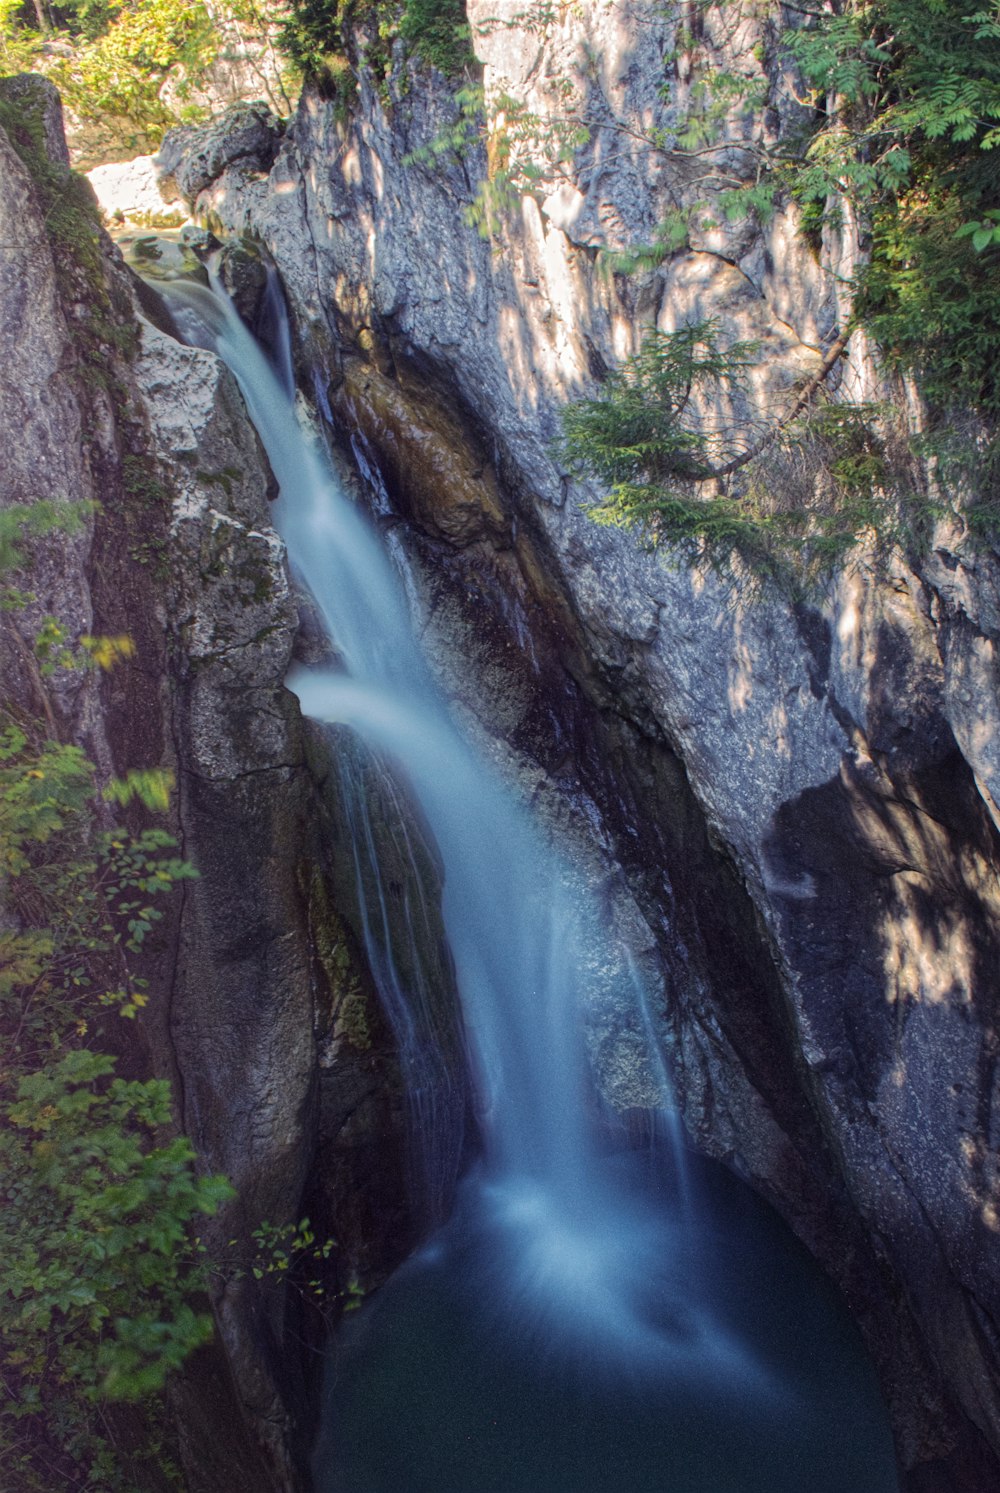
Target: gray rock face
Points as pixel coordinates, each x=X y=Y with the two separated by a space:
x=254 y=967
x=190 y=159
x=39 y=415
x=832 y=767
x=33 y=92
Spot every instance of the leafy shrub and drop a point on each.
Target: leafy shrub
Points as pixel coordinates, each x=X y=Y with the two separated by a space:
x=320 y=37
x=99 y=1273
x=438 y=32
x=909 y=136
x=643 y=432
x=825 y=484
x=121 y=69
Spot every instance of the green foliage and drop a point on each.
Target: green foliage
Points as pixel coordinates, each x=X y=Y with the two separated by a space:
x=906 y=100
x=22 y=522
x=293 y=1257
x=916 y=85
x=329 y=39
x=320 y=38
x=460 y=136
x=149 y=785
x=906 y=117
x=931 y=296
x=292 y=1254
x=985 y=233
x=672 y=235
x=912 y=71
x=84 y=893
x=825 y=485
x=97 y=1269
x=313 y=36
x=439 y=33
x=94 y=1248
x=19 y=43
x=121 y=52
x=643 y=432
x=100 y=1276
x=121 y=69
x=106 y=652
x=83 y=18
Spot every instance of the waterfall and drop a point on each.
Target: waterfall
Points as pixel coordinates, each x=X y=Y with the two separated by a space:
x=691 y=1337
x=528 y=945
x=397 y=942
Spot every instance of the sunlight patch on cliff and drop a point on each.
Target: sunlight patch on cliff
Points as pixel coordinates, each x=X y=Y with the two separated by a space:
x=740 y=678
x=350 y=167
x=925 y=961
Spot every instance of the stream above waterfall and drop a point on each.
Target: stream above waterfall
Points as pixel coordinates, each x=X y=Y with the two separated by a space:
x=584 y=1320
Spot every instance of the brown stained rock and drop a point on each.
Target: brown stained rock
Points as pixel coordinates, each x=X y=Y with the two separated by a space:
x=427 y=456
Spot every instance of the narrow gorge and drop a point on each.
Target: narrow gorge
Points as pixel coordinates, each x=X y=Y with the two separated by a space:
x=574 y=900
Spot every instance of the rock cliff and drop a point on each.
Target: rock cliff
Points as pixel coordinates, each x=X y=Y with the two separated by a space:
x=261 y=1008
x=793 y=802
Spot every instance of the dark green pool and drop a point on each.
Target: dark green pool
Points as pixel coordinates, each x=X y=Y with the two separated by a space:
x=737 y=1372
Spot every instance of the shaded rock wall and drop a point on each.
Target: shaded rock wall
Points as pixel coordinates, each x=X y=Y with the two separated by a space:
x=256 y=965
x=798 y=799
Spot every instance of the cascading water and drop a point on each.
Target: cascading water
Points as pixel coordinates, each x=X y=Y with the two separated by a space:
x=604 y=1321
x=396 y=945
x=527 y=948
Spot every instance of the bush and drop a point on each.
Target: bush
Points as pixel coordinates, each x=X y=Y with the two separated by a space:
x=100 y=1276
x=826 y=482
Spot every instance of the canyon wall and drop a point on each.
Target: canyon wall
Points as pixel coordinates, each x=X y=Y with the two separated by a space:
x=792 y=803
x=261 y=1007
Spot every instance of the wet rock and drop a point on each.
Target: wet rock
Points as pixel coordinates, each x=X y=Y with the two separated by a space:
x=244 y=275
x=158 y=258
x=199 y=240
x=433 y=468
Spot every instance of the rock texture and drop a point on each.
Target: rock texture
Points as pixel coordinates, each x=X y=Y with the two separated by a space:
x=261 y=1008
x=191 y=159
x=130 y=190
x=800 y=798
x=40 y=415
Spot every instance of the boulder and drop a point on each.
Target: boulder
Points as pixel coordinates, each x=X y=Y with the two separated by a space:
x=194 y=156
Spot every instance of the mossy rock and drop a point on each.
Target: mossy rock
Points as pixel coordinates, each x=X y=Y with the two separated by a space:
x=156 y=258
